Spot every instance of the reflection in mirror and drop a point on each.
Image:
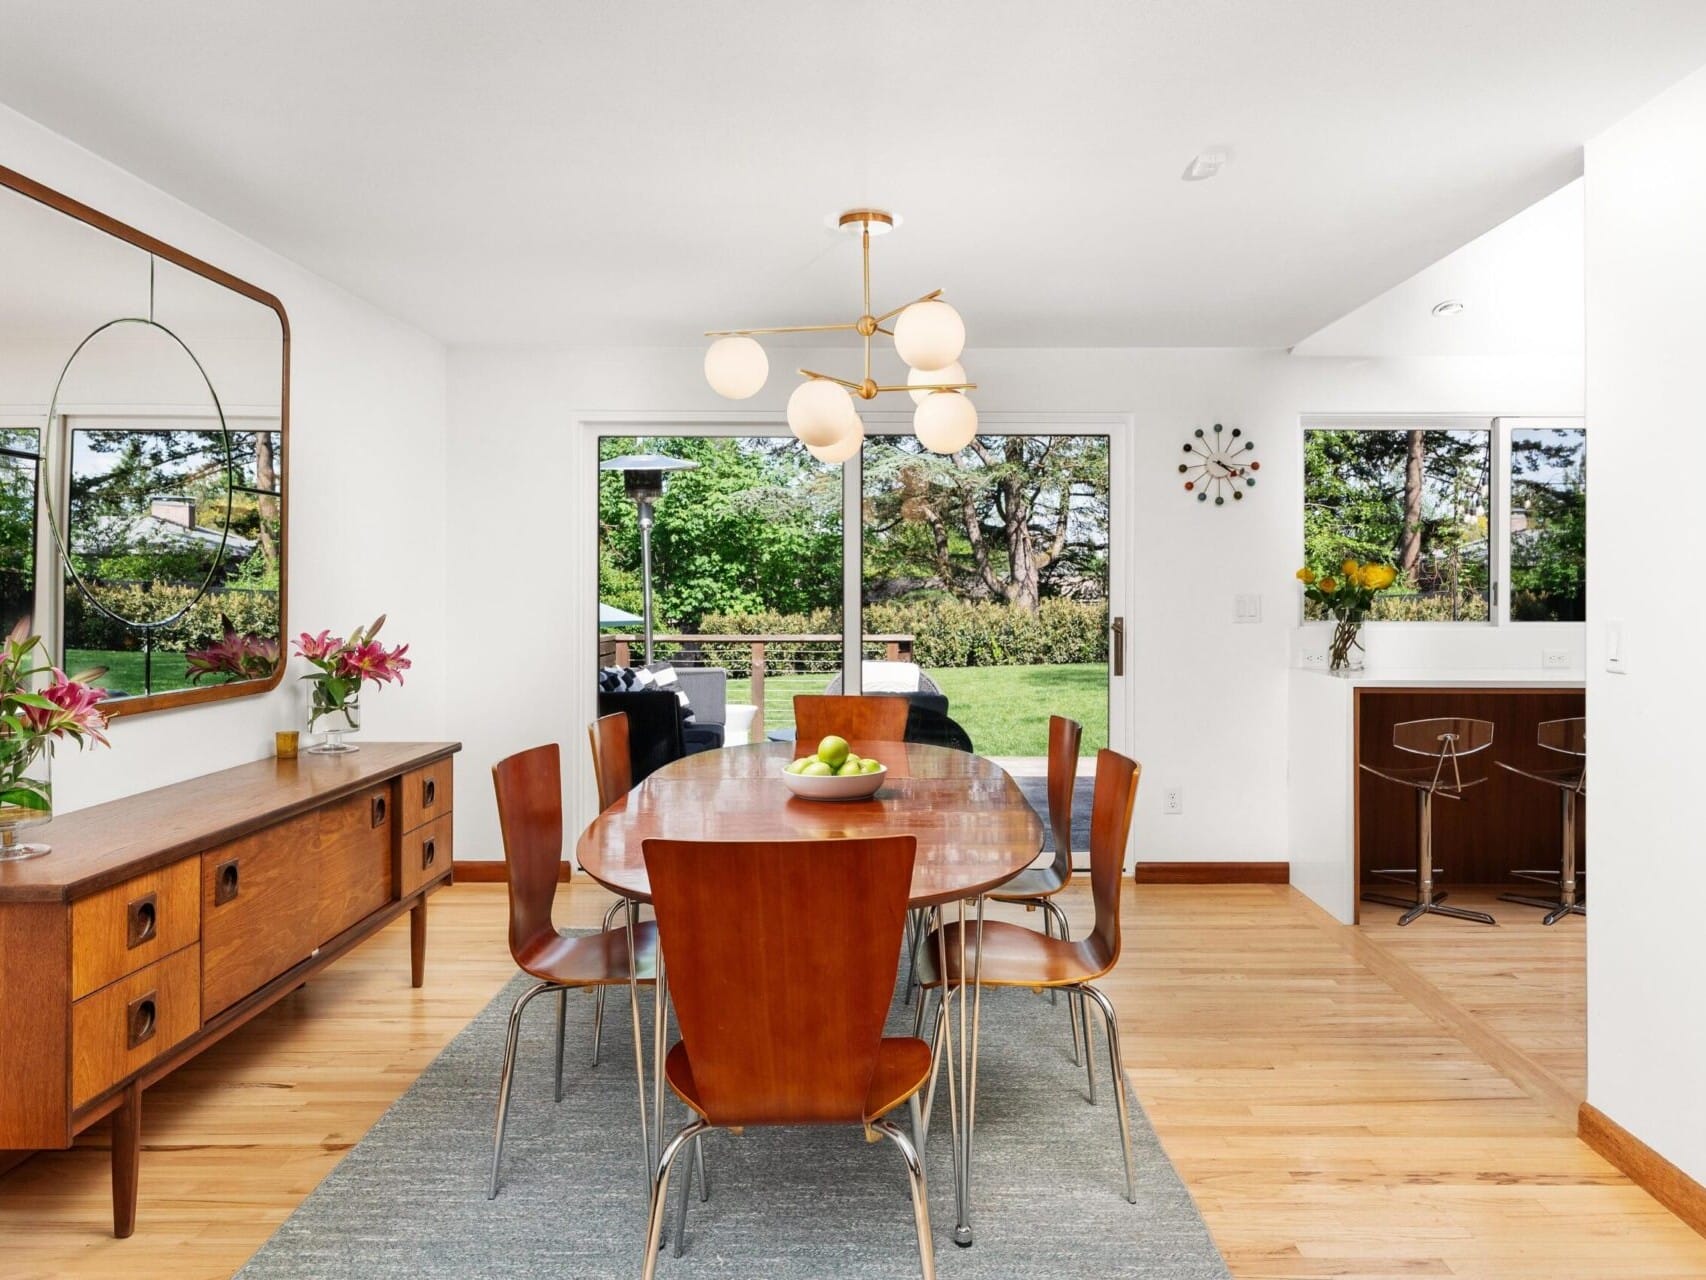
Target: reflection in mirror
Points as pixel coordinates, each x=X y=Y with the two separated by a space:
x=144 y=460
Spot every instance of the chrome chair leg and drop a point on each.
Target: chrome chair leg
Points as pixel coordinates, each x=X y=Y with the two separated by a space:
x=562 y=1023
x=508 y=1078
x=1117 y=1064
x=639 y=1043
x=915 y=942
x=937 y=1050
x=660 y=1190
x=696 y=1169
x=1089 y=1052
x=597 y=1025
x=920 y=1196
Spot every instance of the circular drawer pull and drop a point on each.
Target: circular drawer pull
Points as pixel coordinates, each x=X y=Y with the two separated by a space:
x=429 y=792
x=141 y=1019
x=429 y=853
x=142 y=920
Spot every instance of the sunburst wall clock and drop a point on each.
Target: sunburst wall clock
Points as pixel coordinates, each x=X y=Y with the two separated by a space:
x=1220 y=465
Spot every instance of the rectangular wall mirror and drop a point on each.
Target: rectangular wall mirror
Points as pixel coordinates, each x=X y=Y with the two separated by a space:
x=144 y=443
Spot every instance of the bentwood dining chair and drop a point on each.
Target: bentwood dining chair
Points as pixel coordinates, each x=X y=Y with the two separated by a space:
x=610 y=764
x=1014 y=956
x=781 y=964
x=1036 y=887
x=1446 y=741
x=530 y=812
x=1567 y=738
x=613 y=770
x=871 y=717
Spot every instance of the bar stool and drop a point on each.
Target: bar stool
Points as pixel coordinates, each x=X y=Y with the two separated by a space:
x=1570 y=738
x=1445 y=740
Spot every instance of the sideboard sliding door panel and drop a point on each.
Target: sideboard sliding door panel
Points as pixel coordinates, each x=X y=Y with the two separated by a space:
x=257 y=904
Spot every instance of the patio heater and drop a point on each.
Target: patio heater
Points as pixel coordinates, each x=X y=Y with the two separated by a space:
x=642 y=477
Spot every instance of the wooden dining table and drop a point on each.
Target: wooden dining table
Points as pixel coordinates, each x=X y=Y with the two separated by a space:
x=974 y=828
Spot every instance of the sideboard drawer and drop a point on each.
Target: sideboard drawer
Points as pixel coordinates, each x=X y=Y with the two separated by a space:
x=427 y=793
x=426 y=855
x=125 y=1026
x=121 y=929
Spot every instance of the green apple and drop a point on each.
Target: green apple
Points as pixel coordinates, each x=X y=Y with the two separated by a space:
x=817 y=769
x=795 y=766
x=832 y=751
x=869 y=766
x=850 y=769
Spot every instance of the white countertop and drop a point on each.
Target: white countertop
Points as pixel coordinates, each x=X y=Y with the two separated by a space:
x=1454 y=678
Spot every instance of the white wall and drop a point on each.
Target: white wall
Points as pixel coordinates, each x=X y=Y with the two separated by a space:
x=523 y=526
x=1646 y=275
x=367 y=459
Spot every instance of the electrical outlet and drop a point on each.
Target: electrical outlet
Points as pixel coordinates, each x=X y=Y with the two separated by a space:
x=1314 y=660
x=1173 y=800
x=1555 y=659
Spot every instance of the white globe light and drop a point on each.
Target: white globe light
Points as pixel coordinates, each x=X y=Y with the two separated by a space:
x=820 y=412
x=736 y=367
x=945 y=422
x=929 y=335
x=847 y=446
x=932 y=377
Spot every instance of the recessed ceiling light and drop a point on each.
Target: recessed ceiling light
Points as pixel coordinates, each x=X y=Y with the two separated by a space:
x=1205 y=164
x=1450 y=307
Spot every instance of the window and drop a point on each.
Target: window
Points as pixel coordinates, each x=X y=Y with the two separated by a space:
x=1460 y=509
x=18 y=461
x=1416 y=498
x=1548 y=524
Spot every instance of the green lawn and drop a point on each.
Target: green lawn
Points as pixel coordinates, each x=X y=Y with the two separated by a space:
x=124 y=670
x=1004 y=709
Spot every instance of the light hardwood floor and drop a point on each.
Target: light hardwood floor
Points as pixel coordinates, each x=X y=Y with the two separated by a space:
x=1327 y=1125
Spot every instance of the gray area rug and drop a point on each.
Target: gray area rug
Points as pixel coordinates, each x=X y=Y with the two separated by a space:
x=1036 y=791
x=409 y=1200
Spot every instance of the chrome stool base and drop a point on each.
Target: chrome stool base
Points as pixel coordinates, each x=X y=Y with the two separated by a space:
x=1555 y=910
x=1416 y=910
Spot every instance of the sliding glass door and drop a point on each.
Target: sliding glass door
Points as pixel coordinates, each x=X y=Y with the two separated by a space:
x=986 y=581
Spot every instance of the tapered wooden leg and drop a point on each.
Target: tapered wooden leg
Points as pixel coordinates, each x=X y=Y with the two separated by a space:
x=127 y=1161
x=417 y=942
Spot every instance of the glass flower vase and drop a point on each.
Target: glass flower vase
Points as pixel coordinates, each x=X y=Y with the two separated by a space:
x=331 y=720
x=1345 y=654
x=26 y=798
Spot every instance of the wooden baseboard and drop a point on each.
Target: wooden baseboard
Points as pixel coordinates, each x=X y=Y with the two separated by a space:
x=494 y=872
x=1213 y=873
x=1646 y=1168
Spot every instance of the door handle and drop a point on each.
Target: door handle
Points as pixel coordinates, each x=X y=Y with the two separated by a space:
x=1118 y=628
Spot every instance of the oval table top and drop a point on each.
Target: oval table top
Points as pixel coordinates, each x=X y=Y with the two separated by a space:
x=974 y=826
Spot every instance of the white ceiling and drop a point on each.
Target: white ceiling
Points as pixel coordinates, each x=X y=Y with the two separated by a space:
x=1521 y=286
x=539 y=171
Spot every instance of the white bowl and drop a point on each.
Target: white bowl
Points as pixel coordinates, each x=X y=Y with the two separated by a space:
x=855 y=786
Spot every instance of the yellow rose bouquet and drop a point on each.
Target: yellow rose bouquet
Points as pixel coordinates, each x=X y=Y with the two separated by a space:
x=1347 y=595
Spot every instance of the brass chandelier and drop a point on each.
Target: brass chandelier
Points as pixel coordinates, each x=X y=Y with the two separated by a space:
x=928 y=335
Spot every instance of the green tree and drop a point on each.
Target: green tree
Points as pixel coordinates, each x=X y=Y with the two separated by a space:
x=1016 y=519
x=757 y=526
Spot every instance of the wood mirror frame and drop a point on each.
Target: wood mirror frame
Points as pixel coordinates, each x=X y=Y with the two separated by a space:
x=129 y=706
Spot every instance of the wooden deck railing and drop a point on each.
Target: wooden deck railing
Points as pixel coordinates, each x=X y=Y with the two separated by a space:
x=618 y=650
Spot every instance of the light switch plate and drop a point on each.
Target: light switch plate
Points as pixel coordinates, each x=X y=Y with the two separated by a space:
x=1247 y=608
x=1616 y=655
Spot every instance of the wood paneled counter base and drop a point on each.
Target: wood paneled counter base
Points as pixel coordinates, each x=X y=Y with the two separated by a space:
x=161 y=922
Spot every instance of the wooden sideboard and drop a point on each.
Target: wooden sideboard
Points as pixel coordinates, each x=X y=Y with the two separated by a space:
x=164 y=921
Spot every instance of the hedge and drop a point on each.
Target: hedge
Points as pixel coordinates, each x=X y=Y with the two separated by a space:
x=945 y=633
x=249 y=611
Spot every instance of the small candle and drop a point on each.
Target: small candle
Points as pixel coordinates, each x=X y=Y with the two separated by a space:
x=284 y=744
